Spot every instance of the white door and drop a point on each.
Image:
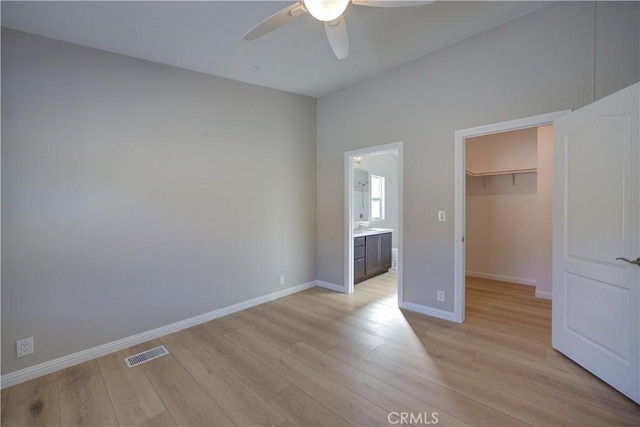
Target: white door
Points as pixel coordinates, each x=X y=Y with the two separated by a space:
x=596 y=219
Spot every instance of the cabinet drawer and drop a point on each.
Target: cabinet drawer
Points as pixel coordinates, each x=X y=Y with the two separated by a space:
x=358 y=241
x=358 y=252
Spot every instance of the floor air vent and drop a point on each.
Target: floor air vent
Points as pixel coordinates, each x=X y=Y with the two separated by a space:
x=145 y=356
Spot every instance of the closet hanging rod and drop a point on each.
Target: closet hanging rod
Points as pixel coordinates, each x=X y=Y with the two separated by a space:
x=514 y=171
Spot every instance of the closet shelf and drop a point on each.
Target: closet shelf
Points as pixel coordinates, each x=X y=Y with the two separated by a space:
x=509 y=172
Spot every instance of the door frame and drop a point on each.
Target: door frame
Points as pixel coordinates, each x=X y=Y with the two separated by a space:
x=348 y=211
x=461 y=192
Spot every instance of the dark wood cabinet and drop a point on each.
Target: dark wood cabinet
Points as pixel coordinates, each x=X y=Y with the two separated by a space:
x=372 y=249
x=385 y=252
x=358 y=259
x=372 y=256
x=358 y=270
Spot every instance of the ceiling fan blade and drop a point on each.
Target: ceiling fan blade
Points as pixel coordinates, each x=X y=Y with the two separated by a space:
x=390 y=3
x=338 y=37
x=276 y=21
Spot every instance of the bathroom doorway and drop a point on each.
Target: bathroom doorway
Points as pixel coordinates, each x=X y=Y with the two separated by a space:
x=373 y=212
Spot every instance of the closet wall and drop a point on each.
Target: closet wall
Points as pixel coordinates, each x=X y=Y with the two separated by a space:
x=508 y=216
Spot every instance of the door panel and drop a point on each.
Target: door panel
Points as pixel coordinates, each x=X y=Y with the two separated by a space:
x=597 y=171
x=596 y=218
x=585 y=317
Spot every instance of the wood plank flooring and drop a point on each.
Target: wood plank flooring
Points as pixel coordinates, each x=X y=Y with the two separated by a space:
x=324 y=358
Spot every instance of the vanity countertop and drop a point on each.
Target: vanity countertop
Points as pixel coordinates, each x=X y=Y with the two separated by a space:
x=371 y=231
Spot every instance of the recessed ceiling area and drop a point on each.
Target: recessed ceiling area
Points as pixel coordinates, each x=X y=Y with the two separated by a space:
x=207 y=36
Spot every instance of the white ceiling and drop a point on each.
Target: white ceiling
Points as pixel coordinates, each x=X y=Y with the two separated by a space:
x=207 y=36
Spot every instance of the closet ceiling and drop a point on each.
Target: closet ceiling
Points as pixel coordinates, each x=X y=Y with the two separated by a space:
x=207 y=36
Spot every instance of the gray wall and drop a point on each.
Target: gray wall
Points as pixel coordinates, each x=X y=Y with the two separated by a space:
x=539 y=63
x=135 y=195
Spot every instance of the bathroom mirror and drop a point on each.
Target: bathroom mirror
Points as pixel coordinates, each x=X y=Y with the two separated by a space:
x=361 y=195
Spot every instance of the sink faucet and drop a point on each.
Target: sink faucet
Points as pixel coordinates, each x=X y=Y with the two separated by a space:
x=359 y=225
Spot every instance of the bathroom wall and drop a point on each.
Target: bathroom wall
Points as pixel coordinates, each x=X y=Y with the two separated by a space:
x=361 y=197
x=385 y=165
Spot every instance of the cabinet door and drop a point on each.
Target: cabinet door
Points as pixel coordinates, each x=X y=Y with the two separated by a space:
x=385 y=251
x=373 y=254
x=358 y=270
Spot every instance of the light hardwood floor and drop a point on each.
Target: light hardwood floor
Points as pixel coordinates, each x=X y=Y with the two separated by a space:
x=323 y=358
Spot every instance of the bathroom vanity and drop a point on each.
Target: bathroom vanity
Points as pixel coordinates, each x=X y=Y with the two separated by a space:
x=371 y=253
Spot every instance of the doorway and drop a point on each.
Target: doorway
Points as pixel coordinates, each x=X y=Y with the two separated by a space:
x=366 y=161
x=461 y=174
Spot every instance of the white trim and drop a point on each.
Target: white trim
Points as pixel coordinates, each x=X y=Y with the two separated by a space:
x=330 y=286
x=381 y=198
x=510 y=279
x=429 y=311
x=348 y=215
x=348 y=211
x=459 y=187
x=543 y=294
x=54 y=365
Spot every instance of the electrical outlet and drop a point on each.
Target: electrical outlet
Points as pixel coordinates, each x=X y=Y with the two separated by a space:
x=441 y=296
x=442 y=216
x=24 y=346
x=282 y=279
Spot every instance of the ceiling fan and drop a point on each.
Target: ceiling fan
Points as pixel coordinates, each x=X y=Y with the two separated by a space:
x=328 y=11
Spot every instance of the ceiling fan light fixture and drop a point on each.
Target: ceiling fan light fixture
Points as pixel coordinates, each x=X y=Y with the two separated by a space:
x=326 y=10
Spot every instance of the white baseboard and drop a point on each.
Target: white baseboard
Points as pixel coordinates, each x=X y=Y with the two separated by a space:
x=429 y=311
x=518 y=280
x=543 y=294
x=51 y=366
x=332 y=286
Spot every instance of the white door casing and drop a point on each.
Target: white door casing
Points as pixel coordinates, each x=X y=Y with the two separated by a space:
x=460 y=192
x=397 y=147
x=596 y=219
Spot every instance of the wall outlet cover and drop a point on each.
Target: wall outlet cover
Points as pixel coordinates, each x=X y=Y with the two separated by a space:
x=441 y=296
x=24 y=346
